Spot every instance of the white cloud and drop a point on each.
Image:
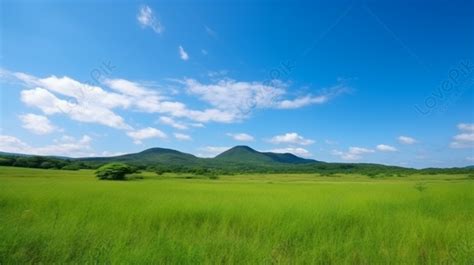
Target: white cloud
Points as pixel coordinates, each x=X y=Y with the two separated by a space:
x=301 y=102
x=325 y=96
x=211 y=151
x=229 y=100
x=182 y=53
x=470 y=158
x=354 y=153
x=37 y=124
x=465 y=137
x=146 y=133
x=291 y=138
x=182 y=137
x=93 y=104
x=293 y=150
x=243 y=137
x=466 y=127
x=136 y=95
x=171 y=122
x=80 y=111
x=386 y=148
x=12 y=144
x=146 y=18
x=66 y=146
x=406 y=140
x=237 y=99
x=232 y=97
x=127 y=87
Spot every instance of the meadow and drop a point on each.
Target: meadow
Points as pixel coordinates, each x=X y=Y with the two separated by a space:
x=57 y=216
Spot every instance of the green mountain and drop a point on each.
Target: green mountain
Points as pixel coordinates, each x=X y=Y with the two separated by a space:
x=235 y=160
x=150 y=156
x=245 y=154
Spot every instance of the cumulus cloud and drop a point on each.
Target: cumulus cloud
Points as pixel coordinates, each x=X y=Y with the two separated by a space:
x=65 y=146
x=82 y=110
x=139 y=135
x=37 y=124
x=242 y=137
x=171 y=122
x=465 y=137
x=238 y=99
x=325 y=96
x=146 y=18
x=386 y=148
x=13 y=145
x=291 y=138
x=353 y=153
x=182 y=137
x=292 y=150
x=227 y=100
x=467 y=127
x=406 y=140
x=93 y=104
x=182 y=53
x=234 y=98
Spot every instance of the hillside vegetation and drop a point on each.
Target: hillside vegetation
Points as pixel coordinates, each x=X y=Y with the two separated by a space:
x=240 y=159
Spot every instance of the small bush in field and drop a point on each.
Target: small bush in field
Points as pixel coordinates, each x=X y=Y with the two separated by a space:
x=113 y=171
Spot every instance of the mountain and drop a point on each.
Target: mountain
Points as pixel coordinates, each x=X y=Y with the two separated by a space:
x=236 y=157
x=245 y=154
x=148 y=157
x=289 y=158
x=234 y=160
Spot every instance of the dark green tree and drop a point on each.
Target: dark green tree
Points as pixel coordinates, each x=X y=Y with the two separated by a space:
x=113 y=171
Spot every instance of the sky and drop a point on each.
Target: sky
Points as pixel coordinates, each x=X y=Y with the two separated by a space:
x=386 y=82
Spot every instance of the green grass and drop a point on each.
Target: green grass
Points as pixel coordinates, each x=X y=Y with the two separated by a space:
x=57 y=216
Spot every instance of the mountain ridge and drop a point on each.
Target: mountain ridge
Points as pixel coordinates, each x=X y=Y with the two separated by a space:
x=239 y=158
x=251 y=155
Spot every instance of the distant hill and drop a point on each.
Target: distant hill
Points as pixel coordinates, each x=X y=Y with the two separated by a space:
x=237 y=159
x=245 y=154
x=149 y=156
x=236 y=155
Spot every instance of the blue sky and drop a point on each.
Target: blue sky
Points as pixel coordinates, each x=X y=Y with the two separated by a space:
x=350 y=81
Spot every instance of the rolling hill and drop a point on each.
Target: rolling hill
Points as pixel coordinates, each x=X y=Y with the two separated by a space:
x=234 y=160
x=148 y=156
x=245 y=154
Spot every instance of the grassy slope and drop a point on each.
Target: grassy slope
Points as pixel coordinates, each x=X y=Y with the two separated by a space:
x=63 y=216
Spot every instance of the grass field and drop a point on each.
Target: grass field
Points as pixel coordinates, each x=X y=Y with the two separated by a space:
x=58 y=216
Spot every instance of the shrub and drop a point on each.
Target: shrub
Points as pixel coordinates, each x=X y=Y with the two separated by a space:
x=6 y=161
x=161 y=171
x=46 y=164
x=113 y=171
x=372 y=175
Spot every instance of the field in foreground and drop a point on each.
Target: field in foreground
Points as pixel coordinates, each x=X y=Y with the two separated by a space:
x=58 y=216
